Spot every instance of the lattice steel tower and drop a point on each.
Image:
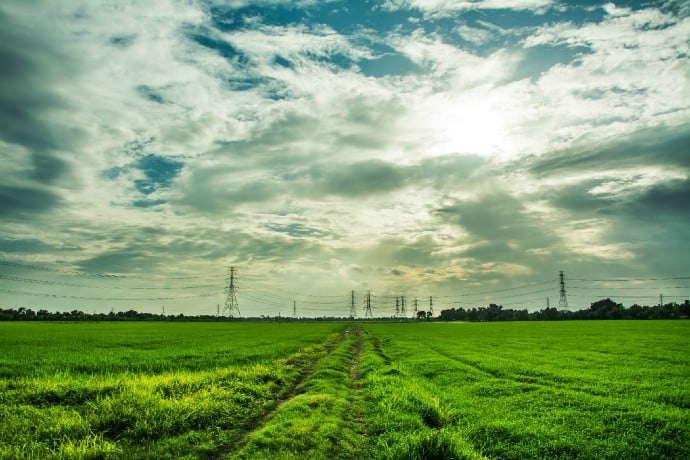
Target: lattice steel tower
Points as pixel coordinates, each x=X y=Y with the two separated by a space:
x=367 y=309
x=563 y=300
x=353 y=309
x=231 y=307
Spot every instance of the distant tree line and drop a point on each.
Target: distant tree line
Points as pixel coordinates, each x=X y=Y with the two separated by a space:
x=601 y=309
x=26 y=314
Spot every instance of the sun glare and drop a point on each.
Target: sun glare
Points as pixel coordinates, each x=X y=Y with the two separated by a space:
x=470 y=124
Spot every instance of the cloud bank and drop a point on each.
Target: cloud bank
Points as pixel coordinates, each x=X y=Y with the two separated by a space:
x=409 y=147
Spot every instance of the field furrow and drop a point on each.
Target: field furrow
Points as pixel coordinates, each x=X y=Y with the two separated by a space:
x=173 y=411
x=316 y=421
x=394 y=391
x=306 y=365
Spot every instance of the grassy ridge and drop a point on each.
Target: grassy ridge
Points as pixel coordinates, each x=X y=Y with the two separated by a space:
x=367 y=390
x=313 y=422
x=142 y=390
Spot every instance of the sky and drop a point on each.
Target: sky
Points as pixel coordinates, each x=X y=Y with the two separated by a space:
x=463 y=150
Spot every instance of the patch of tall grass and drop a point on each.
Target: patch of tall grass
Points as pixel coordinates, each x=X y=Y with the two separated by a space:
x=163 y=412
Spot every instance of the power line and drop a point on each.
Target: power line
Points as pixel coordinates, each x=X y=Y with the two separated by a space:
x=279 y=298
x=91 y=286
x=494 y=291
x=625 y=280
x=61 y=296
x=96 y=274
x=288 y=291
x=635 y=288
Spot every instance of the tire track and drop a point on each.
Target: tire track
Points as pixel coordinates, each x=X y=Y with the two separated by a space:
x=307 y=367
x=355 y=420
x=542 y=382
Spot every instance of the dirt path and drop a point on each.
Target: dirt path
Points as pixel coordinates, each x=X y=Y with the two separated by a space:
x=355 y=420
x=306 y=367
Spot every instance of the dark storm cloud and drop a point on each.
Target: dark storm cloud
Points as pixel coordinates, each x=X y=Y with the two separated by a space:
x=377 y=177
x=219 y=189
x=147 y=249
x=666 y=200
x=22 y=202
x=364 y=178
x=277 y=248
x=652 y=222
x=23 y=97
x=577 y=198
x=32 y=245
x=449 y=172
x=651 y=146
x=291 y=136
x=28 y=66
x=120 y=261
x=394 y=251
x=222 y=188
x=647 y=223
x=670 y=199
x=213 y=189
x=500 y=227
x=492 y=216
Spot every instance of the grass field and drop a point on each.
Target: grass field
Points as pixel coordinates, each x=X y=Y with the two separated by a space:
x=616 y=389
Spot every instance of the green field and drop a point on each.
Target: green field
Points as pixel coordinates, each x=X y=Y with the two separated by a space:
x=609 y=389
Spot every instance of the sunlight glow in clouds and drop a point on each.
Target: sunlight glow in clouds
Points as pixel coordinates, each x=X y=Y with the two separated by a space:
x=416 y=146
x=472 y=123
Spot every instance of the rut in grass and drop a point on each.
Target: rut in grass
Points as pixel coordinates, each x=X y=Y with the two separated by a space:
x=306 y=368
x=530 y=381
x=355 y=419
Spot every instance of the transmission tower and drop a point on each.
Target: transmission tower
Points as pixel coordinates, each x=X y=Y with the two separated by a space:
x=231 y=307
x=353 y=310
x=367 y=309
x=403 y=312
x=294 y=309
x=397 y=307
x=415 y=308
x=563 y=301
x=431 y=305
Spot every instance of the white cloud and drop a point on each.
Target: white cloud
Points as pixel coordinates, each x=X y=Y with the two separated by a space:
x=284 y=178
x=447 y=7
x=474 y=35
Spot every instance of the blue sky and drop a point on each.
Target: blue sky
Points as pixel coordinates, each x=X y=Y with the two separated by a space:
x=468 y=150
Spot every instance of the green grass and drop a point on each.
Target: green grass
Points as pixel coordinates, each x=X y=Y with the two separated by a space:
x=553 y=390
x=142 y=390
x=616 y=389
x=313 y=423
